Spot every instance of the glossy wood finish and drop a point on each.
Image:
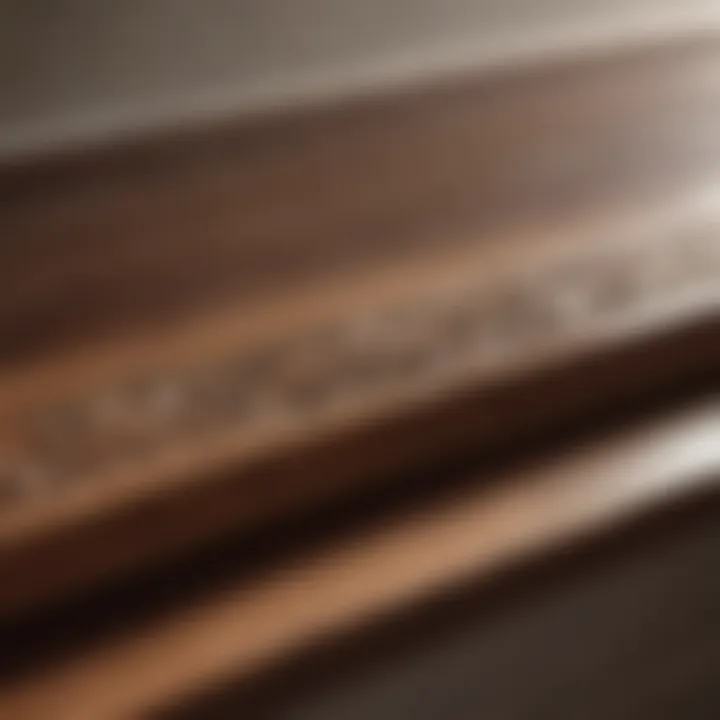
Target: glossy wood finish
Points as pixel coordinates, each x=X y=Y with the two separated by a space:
x=224 y=331
x=142 y=450
x=548 y=240
x=131 y=236
x=235 y=631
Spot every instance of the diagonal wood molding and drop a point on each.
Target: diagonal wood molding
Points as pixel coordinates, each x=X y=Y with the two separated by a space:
x=241 y=629
x=203 y=331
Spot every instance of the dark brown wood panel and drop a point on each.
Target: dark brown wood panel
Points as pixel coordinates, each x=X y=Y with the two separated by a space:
x=241 y=627
x=128 y=236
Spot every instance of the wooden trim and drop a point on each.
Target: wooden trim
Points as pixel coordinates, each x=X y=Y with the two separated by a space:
x=496 y=280
x=130 y=237
x=206 y=333
x=124 y=455
x=471 y=534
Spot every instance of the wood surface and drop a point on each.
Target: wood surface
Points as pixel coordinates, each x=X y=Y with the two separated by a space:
x=129 y=236
x=133 y=451
x=220 y=330
x=517 y=249
x=236 y=630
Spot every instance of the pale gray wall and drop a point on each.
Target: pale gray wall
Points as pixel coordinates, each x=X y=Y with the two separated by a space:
x=82 y=68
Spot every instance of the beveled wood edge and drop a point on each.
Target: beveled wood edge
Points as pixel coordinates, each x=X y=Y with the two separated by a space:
x=475 y=533
x=361 y=185
x=526 y=301
x=197 y=487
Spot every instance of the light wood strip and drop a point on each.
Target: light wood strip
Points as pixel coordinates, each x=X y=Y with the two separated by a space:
x=468 y=536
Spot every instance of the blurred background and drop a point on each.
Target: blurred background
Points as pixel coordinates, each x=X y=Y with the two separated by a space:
x=376 y=375
x=72 y=70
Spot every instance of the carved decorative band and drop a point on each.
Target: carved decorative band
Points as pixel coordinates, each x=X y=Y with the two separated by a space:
x=474 y=327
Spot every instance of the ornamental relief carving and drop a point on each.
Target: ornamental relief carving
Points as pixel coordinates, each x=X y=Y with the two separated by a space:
x=361 y=355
